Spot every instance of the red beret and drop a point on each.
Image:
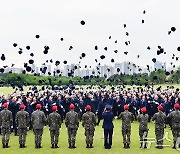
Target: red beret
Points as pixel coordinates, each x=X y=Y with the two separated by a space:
x=160 y=107
x=22 y=106
x=5 y=105
x=126 y=107
x=71 y=106
x=54 y=108
x=88 y=107
x=38 y=106
x=176 y=106
x=143 y=109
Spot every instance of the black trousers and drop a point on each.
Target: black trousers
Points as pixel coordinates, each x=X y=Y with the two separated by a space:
x=108 y=138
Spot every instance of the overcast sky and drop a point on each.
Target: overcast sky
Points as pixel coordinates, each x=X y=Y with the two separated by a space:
x=21 y=20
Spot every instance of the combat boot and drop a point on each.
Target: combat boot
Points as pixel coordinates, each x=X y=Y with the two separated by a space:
x=73 y=146
x=4 y=146
x=141 y=145
x=56 y=146
x=36 y=146
x=52 y=146
x=23 y=146
x=7 y=146
x=174 y=147
x=20 y=146
x=39 y=146
x=127 y=146
x=87 y=146
x=91 y=146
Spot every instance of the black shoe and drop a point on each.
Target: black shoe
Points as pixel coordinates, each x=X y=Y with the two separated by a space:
x=70 y=147
x=127 y=146
x=23 y=146
x=174 y=147
x=7 y=145
x=141 y=145
x=39 y=146
x=4 y=146
x=145 y=147
x=106 y=147
x=73 y=146
x=20 y=146
x=87 y=146
x=56 y=146
x=52 y=146
x=91 y=146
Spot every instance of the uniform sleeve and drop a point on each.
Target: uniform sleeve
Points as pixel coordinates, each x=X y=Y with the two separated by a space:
x=11 y=119
x=154 y=117
x=16 y=120
x=132 y=117
x=94 y=119
x=27 y=119
x=77 y=120
x=59 y=117
x=120 y=116
x=0 y=119
x=44 y=119
x=138 y=118
x=83 y=120
x=66 y=120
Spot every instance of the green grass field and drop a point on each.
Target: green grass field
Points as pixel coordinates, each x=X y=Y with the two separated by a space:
x=98 y=142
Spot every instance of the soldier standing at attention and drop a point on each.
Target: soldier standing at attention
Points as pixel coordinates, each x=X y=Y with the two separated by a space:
x=108 y=126
x=175 y=117
x=160 y=119
x=54 y=122
x=72 y=124
x=6 y=121
x=38 y=122
x=22 y=123
x=127 y=118
x=143 y=127
x=89 y=123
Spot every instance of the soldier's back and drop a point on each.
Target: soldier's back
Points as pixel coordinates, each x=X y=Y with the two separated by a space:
x=54 y=121
x=6 y=118
x=38 y=119
x=22 y=119
x=88 y=119
x=71 y=119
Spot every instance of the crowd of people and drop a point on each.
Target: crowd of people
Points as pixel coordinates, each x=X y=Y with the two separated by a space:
x=53 y=107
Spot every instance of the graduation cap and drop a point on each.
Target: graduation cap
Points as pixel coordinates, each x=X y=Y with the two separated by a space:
x=148 y=48
x=169 y=32
x=116 y=51
x=115 y=41
x=83 y=55
x=96 y=47
x=20 y=52
x=14 y=44
x=3 y=57
x=28 y=69
x=37 y=36
x=142 y=21
x=31 y=61
x=51 y=61
x=178 y=49
x=112 y=60
x=124 y=25
x=127 y=33
x=65 y=62
x=1 y=70
x=138 y=56
x=173 y=29
x=102 y=56
x=46 y=48
x=32 y=54
x=154 y=60
x=61 y=39
x=82 y=22
x=28 y=47
x=57 y=63
x=105 y=48
x=144 y=11
x=126 y=53
x=71 y=47
x=109 y=37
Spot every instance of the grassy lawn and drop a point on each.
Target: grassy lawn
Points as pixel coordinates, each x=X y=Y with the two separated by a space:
x=98 y=142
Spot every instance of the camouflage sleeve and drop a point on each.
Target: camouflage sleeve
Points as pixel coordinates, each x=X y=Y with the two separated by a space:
x=66 y=120
x=132 y=117
x=27 y=119
x=94 y=119
x=44 y=119
x=83 y=120
x=77 y=120
x=154 y=117
x=16 y=120
x=120 y=116
x=138 y=118
x=60 y=121
x=11 y=119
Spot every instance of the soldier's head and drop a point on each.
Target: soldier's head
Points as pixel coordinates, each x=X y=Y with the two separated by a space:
x=144 y=110
x=54 y=108
x=160 y=108
x=5 y=105
x=126 y=107
x=22 y=107
x=38 y=106
x=176 y=106
x=71 y=107
x=88 y=108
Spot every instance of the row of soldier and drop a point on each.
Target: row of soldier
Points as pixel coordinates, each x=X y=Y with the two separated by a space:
x=39 y=120
x=97 y=100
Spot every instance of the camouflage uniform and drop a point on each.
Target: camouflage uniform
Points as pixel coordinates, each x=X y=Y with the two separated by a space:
x=38 y=121
x=160 y=119
x=89 y=122
x=6 y=121
x=127 y=118
x=54 y=122
x=72 y=124
x=22 y=122
x=143 y=129
x=175 y=117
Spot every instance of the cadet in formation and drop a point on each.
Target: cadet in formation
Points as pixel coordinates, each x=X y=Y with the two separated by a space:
x=38 y=122
x=175 y=117
x=6 y=121
x=127 y=117
x=54 y=122
x=22 y=123
x=89 y=123
x=143 y=127
x=160 y=119
x=72 y=124
x=108 y=126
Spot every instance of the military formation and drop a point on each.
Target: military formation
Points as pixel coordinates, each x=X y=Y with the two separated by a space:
x=34 y=111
